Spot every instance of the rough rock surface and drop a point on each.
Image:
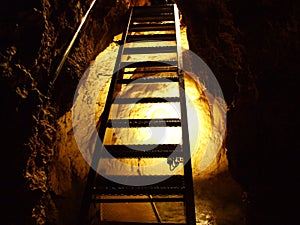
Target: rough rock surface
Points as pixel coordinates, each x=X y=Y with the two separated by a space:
x=253 y=47
x=34 y=36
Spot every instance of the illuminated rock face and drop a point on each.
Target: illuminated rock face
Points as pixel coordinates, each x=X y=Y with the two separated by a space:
x=206 y=117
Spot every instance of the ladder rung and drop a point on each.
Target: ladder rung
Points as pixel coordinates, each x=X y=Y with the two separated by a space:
x=151 y=27
x=166 y=69
x=148 y=64
x=152 y=13
x=160 y=8
x=154 y=18
x=127 y=123
x=137 y=200
x=150 y=50
x=145 y=100
x=151 y=37
x=144 y=151
x=169 y=185
x=145 y=80
x=137 y=223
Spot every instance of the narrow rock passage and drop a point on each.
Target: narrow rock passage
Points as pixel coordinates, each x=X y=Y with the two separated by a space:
x=217 y=196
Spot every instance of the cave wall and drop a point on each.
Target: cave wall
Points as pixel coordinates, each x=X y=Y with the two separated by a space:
x=251 y=46
x=264 y=158
x=34 y=36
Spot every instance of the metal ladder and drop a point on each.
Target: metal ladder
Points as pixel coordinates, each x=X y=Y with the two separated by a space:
x=175 y=188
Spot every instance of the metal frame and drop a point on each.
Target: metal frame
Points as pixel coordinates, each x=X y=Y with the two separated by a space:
x=104 y=122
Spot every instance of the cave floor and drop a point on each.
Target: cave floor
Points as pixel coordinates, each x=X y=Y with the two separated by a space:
x=218 y=201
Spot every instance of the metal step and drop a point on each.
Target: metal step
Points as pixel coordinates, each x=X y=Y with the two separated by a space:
x=146 y=80
x=137 y=223
x=153 y=13
x=137 y=200
x=153 y=9
x=145 y=100
x=161 y=69
x=148 y=64
x=170 y=185
x=150 y=50
x=151 y=37
x=152 y=27
x=147 y=18
x=144 y=151
x=131 y=123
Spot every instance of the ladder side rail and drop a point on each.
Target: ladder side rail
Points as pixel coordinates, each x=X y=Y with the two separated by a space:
x=189 y=193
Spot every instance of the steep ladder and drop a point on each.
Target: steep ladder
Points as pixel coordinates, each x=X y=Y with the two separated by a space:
x=156 y=23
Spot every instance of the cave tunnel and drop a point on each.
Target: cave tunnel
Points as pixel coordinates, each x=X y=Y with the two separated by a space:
x=252 y=48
